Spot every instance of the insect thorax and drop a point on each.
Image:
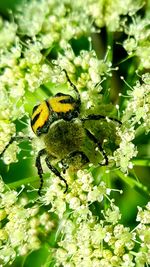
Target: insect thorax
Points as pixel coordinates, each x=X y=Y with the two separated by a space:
x=64 y=137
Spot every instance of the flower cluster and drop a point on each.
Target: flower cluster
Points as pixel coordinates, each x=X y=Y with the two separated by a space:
x=85 y=70
x=138 y=42
x=95 y=244
x=138 y=107
x=126 y=151
x=20 y=75
x=20 y=225
x=48 y=19
x=81 y=194
x=114 y=11
x=143 y=232
x=136 y=114
x=89 y=240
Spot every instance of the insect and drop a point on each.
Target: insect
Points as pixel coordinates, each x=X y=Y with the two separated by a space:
x=58 y=122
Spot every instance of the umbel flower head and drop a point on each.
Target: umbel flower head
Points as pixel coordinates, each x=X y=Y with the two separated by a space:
x=20 y=225
x=102 y=219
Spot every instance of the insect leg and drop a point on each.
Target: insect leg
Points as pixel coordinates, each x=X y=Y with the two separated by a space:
x=98 y=117
x=13 y=138
x=81 y=153
x=64 y=161
x=56 y=172
x=39 y=168
x=94 y=139
x=74 y=88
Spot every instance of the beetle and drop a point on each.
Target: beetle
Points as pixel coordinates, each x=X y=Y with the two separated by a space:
x=58 y=121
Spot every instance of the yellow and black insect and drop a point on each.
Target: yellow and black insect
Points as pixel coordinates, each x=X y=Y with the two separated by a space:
x=58 y=122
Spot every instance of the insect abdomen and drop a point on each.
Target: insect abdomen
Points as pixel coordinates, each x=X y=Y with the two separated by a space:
x=64 y=137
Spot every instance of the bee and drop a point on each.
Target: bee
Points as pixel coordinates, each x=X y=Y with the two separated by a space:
x=67 y=138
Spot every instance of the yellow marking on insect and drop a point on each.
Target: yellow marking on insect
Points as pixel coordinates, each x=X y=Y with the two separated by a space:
x=42 y=114
x=57 y=106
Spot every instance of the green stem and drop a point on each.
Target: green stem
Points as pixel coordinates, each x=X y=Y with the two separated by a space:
x=141 y=162
x=109 y=58
x=125 y=59
x=110 y=41
x=25 y=181
x=140 y=188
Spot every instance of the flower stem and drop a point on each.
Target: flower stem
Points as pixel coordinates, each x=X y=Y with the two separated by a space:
x=140 y=188
x=141 y=162
x=25 y=181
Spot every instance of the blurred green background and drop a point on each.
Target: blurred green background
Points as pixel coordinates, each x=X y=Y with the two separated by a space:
x=7 y=5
